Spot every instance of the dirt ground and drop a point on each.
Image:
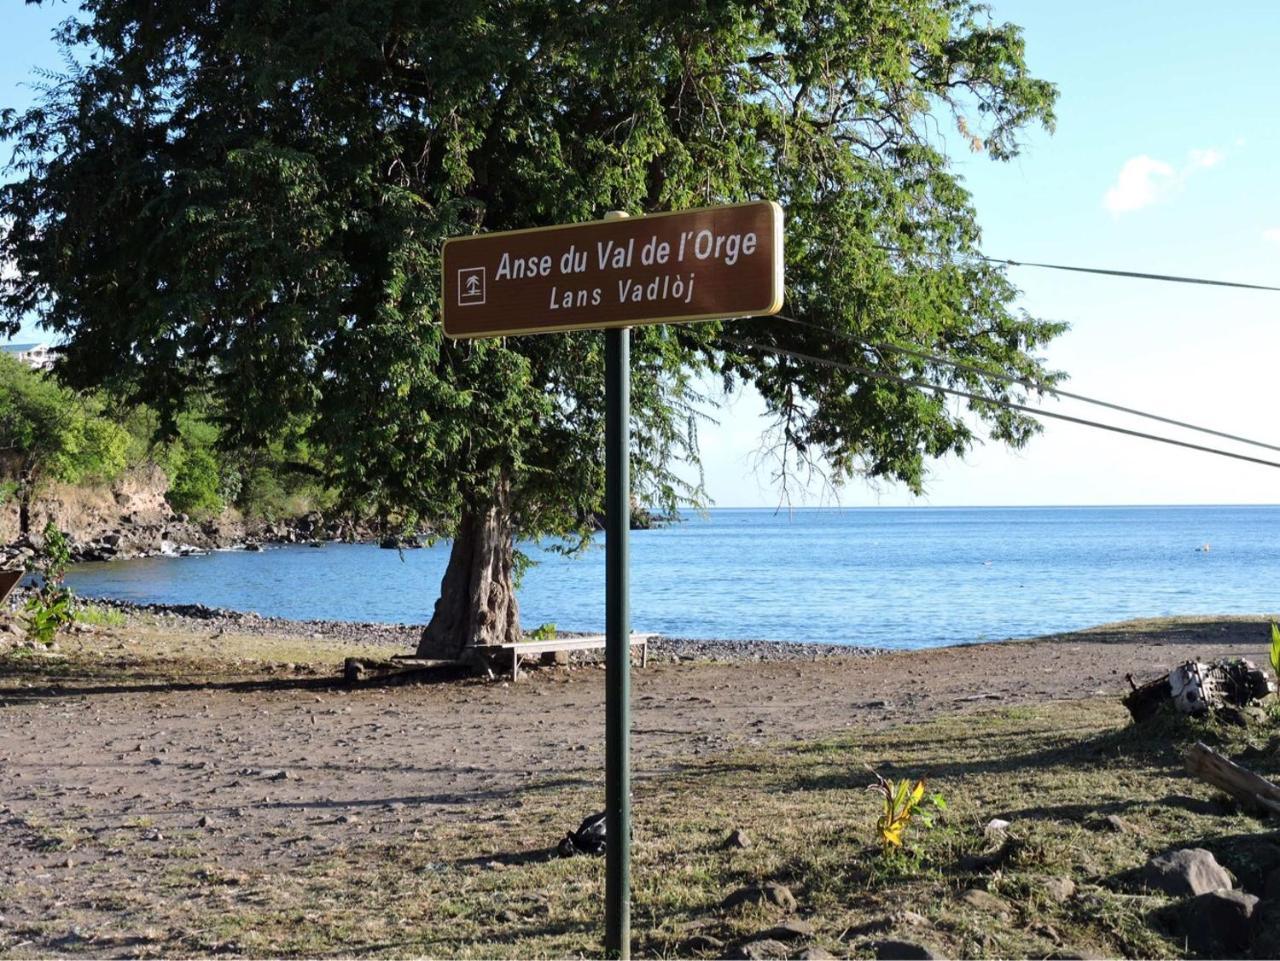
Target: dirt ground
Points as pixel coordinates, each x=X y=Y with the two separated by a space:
x=144 y=760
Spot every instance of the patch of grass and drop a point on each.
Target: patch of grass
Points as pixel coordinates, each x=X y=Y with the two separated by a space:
x=97 y=616
x=469 y=888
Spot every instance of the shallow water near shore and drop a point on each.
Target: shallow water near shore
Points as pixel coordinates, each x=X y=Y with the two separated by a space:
x=892 y=578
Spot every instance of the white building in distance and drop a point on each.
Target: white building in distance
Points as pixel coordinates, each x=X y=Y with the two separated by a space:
x=35 y=356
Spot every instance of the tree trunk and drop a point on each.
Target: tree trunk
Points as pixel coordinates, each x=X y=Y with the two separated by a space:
x=477 y=604
x=24 y=506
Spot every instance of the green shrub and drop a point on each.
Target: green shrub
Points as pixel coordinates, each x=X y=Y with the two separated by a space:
x=52 y=606
x=195 y=483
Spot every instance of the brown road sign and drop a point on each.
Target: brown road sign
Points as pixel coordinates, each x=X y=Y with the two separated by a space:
x=661 y=268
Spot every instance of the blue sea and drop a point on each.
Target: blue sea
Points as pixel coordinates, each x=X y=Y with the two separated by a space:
x=879 y=577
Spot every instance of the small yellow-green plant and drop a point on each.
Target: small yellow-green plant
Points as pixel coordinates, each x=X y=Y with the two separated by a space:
x=902 y=802
x=1275 y=648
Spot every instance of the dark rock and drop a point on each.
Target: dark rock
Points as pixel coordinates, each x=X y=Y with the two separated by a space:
x=1266 y=930
x=737 y=839
x=891 y=950
x=1190 y=871
x=1059 y=889
x=1114 y=822
x=991 y=858
x=986 y=902
x=792 y=929
x=766 y=950
x=770 y=893
x=1218 y=922
x=703 y=944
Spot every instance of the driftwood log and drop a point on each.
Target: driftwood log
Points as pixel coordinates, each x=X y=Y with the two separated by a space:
x=1254 y=792
x=356 y=668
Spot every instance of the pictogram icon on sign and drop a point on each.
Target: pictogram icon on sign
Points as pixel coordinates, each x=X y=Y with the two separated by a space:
x=470 y=286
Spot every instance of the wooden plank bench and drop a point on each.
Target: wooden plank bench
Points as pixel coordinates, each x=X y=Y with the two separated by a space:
x=590 y=642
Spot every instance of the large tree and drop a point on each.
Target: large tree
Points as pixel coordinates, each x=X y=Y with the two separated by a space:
x=248 y=198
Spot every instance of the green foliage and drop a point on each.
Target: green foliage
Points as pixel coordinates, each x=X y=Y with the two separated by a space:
x=543 y=632
x=284 y=479
x=194 y=486
x=902 y=802
x=51 y=607
x=260 y=193
x=49 y=433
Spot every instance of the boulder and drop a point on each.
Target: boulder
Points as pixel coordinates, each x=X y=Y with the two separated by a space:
x=986 y=902
x=703 y=944
x=770 y=893
x=759 y=951
x=793 y=929
x=1189 y=871
x=892 y=950
x=1218 y=923
x=1059 y=889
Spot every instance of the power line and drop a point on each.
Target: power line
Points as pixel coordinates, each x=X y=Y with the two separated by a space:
x=1139 y=275
x=1025 y=382
x=1034 y=411
x=1106 y=272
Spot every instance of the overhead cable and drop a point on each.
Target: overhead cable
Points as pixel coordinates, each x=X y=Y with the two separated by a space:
x=1034 y=411
x=1106 y=272
x=1023 y=382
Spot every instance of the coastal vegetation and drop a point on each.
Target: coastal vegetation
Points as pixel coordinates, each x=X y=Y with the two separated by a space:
x=246 y=204
x=50 y=433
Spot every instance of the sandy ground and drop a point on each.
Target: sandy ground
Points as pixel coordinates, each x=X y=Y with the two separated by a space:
x=263 y=771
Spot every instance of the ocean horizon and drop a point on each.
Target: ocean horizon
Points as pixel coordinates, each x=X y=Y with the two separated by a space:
x=862 y=576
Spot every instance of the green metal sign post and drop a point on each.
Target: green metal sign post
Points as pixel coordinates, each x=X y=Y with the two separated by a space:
x=617 y=707
x=617 y=637
x=662 y=268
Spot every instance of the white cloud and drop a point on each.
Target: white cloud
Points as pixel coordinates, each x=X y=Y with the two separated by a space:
x=1203 y=159
x=1272 y=234
x=1143 y=180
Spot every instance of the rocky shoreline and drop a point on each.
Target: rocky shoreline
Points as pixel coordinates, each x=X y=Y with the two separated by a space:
x=199 y=618
x=180 y=536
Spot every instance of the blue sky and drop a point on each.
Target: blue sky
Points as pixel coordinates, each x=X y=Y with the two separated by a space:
x=1164 y=160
